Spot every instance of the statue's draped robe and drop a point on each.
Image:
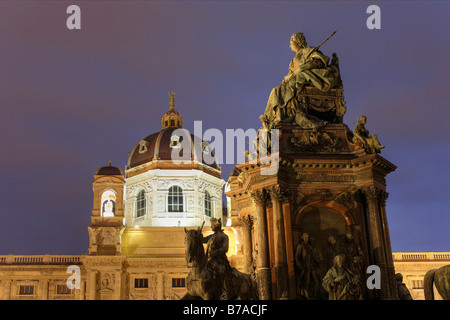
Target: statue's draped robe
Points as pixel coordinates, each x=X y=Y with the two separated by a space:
x=346 y=289
x=305 y=261
x=323 y=78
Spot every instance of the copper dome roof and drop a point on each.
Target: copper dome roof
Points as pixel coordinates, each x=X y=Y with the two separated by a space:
x=159 y=146
x=109 y=171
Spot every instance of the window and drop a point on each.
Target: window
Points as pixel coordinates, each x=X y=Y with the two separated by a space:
x=175 y=141
x=172 y=123
x=63 y=289
x=205 y=147
x=108 y=203
x=208 y=204
x=26 y=290
x=178 y=282
x=175 y=199
x=141 y=283
x=143 y=146
x=140 y=204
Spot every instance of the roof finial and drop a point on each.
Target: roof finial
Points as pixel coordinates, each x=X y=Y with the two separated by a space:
x=172 y=100
x=172 y=119
x=110 y=163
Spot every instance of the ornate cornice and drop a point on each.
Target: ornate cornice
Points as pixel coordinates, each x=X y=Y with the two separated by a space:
x=346 y=198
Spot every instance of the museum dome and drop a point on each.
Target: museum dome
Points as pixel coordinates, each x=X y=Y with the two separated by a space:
x=160 y=145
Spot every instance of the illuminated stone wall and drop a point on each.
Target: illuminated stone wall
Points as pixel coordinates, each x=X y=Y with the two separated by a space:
x=156 y=184
x=414 y=265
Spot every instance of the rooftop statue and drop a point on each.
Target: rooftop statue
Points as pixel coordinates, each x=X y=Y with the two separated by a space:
x=309 y=67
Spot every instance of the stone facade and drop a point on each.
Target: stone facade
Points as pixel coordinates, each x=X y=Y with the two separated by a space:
x=118 y=277
x=156 y=184
x=414 y=265
x=44 y=277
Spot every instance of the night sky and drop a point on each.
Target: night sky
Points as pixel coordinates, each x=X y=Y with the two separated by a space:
x=71 y=100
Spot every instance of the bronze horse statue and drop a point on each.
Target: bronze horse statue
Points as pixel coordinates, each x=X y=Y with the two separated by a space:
x=441 y=279
x=202 y=283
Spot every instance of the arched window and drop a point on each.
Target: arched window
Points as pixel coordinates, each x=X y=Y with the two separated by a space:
x=175 y=199
x=140 y=204
x=108 y=203
x=208 y=204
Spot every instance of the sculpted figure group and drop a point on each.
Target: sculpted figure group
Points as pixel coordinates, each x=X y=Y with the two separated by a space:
x=334 y=274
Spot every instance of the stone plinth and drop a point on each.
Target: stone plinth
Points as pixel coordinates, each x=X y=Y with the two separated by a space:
x=325 y=185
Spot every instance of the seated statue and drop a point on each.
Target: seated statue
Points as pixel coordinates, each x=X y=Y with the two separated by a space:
x=363 y=139
x=308 y=67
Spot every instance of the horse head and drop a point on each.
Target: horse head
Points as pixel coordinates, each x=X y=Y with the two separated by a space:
x=193 y=243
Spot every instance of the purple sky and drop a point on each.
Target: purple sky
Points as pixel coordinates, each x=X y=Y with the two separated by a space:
x=73 y=100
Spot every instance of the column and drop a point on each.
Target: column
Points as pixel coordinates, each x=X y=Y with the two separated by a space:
x=117 y=285
x=44 y=289
x=7 y=290
x=160 y=286
x=92 y=285
x=263 y=273
x=376 y=237
x=281 y=269
x=289 y=242
x=387 y=241
x=247 y=225
x=82 y=290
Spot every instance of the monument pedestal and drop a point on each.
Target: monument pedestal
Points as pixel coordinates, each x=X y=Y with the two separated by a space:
x=325 y=186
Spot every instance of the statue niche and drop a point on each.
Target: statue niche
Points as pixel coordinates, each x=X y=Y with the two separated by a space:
x=311 y=94
x=324 y=235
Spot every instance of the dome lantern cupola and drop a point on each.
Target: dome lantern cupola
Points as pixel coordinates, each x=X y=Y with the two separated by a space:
x=172 y=119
